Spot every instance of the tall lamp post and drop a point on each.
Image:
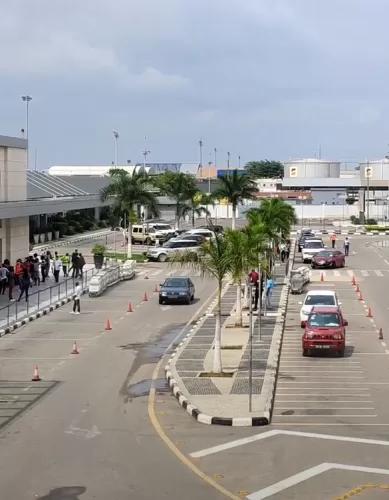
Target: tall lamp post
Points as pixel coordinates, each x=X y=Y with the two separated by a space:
x=116 y=135
x=27 y=99
x=145 y=155
x=201 y=152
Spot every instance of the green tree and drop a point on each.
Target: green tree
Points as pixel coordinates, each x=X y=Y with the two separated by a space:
x=276 y=215
x=265 y=169
x=129 y=191
x=235 y=188
x=213 y=260
x=197 y=205
x=178 y=186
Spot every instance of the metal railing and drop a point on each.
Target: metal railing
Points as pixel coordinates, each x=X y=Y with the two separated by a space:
x=41 y=299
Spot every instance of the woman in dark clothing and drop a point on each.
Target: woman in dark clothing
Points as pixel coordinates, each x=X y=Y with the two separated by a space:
x=24 y=285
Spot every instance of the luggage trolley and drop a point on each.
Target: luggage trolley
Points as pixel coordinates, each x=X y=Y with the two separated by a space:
x=298 y=279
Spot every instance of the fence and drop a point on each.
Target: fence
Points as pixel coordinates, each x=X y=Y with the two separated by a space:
x=42 y=298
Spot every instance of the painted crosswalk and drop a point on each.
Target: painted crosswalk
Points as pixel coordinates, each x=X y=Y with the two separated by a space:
x=345 y=274
x=164 y=272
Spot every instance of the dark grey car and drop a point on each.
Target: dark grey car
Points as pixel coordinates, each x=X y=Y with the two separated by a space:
x=177 y=289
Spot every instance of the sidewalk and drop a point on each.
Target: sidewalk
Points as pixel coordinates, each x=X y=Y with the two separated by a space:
x=68 y=240
x=222 y=400
x=40 y=297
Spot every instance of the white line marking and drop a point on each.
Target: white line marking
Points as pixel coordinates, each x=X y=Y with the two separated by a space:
x=336 y=273
x=326 y=408
x=265 y=435
x=303 y=415
x=320 y=401
x=383 y=344
x=364 y=273
x=350 y=273
x=386 y=351
x=308 y=474
x=379 y=273
x=386 y=262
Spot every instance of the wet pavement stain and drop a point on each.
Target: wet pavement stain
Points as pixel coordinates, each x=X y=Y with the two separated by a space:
x=143 y=387
x=64 y=493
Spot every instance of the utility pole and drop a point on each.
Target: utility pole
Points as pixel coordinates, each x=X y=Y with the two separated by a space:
x=239 y=161
x=228 y=162
x=214 y=157
x=368 y=174
x=116 y=135
x=201 y=152
x=27 y=99
x=251 y=348
x=145 y=154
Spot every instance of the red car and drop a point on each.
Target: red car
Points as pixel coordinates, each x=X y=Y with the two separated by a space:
x=328 y=258
x=324 y=330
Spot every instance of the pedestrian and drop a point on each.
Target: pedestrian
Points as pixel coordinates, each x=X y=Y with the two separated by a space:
x=77 y=299
x=346 y=246
x=254 y=280
x=65 y=264
x=81 y=264
x=287 y=249
x=49 y=259
x=11 y=282
x=3 y=278
x=57 y=264
x=18 y=272
x=333 y=239
x=269 y=291
x=36 y=267
x=283 y=251
x=74 y=264
x=43 y=265
x=25 y=284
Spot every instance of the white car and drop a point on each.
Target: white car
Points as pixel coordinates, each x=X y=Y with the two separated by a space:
x=318 y=298
x=311 y=248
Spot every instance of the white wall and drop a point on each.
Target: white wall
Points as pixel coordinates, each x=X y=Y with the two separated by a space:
x=14 y=236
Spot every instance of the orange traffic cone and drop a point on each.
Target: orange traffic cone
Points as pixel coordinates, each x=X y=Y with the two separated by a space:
x=108 y=325
x=74 y=350
x=155 y=288
x=380 y=335
x=368 y=313
x=129 y=308
x=353 y=280
x=36 y=377
x=145 y=299
x=322 y=277
x=360 y=296
x=357 y=288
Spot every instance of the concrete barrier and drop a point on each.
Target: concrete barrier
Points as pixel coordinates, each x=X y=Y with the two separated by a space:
x=110 y=276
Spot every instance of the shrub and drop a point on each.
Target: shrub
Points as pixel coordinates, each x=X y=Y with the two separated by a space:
x=70 y=231
x=102 y=224
x=88 y=224
x=99 y=249
x=371 y=222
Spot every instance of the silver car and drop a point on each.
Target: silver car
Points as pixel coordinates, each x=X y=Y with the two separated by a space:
x=161 y=254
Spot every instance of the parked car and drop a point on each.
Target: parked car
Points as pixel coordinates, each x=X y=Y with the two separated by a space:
x=303 y=238
x=177 y=289
x=202 y=232
x=189 y=236
x=328 y=258
x=318 y=298
x=310 y=249
x=324 y=330
x=214 y=228
x=161 y=254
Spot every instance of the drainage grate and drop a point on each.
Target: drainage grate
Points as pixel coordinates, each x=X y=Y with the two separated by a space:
x=187 y=374
x=241 y=386
x=193 y=354
x=189 y=365
x=200 y=387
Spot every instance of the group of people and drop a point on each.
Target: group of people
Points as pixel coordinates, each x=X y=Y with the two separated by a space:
x=346 y=243
x=262 y=288
x=34 y=269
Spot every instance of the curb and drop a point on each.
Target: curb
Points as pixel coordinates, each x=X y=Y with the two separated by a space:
x=200 y=417
x=65 y=243
x=349 y=233
x=36 y=315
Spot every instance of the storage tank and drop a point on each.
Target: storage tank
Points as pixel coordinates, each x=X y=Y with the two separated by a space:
x=375 y=170
x=311 y=168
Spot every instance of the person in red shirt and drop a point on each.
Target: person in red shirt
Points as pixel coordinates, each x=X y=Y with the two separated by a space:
x=254 y=280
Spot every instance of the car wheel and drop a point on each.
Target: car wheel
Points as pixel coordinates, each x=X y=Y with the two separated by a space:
x=313 y=266
x=160 y=301
x=192 y=298
x=162 y=257
x=305 y=352
x=189 y=301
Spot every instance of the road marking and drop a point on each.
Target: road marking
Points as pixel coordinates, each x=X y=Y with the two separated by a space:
x=323 y=415
x=386 y=351
x=386 y=262
x=359 y=489
x=308 y=474
x=322 y=402
x=379 y=273
x=364 y=273
x=350 y=273
x=86 y=433
x=305 y=408
x=264 y=435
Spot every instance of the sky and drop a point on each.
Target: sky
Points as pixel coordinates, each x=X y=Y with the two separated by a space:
x=271 y=79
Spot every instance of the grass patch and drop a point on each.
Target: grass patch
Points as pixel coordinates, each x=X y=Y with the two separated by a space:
x=138 y=257
x=216 y=375
x=377 y=228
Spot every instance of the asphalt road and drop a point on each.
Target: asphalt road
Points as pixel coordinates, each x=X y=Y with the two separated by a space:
x=88 y=436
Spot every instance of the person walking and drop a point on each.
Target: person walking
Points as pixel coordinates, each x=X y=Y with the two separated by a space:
x=49 y=259
x=65 y=264
x=43 y=267
x=74 y=264
x=25 y=284
x=283 y=251
x=11 y=282
x=57 y=264
x=287 y=249
x=346 y=246
x=3 y=279
x=333 y=239
x=36 y=267
x=269 y=291
x=254 y=280
x=81 y=264
x=77 y=299
x=18 y=272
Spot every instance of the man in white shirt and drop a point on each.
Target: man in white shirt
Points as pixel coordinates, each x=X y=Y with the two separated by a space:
x=57 y=264
x=77 y=299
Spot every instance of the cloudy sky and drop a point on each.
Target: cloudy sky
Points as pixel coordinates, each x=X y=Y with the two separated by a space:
x=259 y=78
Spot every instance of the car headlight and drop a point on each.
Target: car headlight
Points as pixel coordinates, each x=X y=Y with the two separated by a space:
x=183 y=293
x=163 y=294
x=305 y=311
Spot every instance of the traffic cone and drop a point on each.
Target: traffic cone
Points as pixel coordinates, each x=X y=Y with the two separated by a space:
x=129 y=308
x=360 y=296
x=145 y=299
x=322 y=277
x=368 y=313
x=380 y=335
x=155 y=288
x=108 y=325
x=353 y=280
x=36 y=377
x=357 y=288
x=146 y=276
x=74 y=350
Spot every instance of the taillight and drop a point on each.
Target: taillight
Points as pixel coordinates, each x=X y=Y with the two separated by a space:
x=337 y=336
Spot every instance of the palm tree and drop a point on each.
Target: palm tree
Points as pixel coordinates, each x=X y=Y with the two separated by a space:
x=277 y=215
x=212 y=261
x=235 y=188
x=129 y=191
x=180 y=187
x=197 y=205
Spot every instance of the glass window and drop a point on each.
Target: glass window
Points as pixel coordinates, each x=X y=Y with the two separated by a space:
x=313 y=244
x=320 y=300
x=176 y=282
x=324 y=319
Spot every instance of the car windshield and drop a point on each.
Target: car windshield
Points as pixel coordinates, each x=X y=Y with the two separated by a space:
x=325 y=253
x=324 y=319
x=322 y=300
x=313 y=244
x=176 y=283
x=151 y=230
x=162 y=227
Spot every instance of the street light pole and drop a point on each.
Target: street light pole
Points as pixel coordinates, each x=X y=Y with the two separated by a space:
x=251 y=348
x=239 y=161
x=145 y=154
x=228 y=163
x=201 y=152
x=116 y=135
x=27 y=99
